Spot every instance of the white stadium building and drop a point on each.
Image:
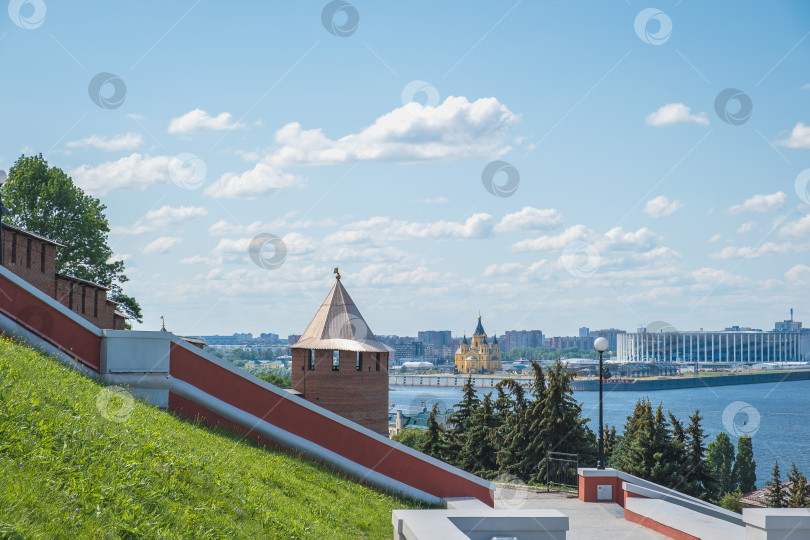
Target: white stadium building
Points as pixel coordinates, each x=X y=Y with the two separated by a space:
x=720 y=347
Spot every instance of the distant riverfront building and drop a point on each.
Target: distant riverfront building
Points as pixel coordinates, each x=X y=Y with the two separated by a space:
x=514 y=339
x=726 y=347
x=479 y=356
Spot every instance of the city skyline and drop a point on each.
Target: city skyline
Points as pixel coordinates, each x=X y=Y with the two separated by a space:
x=550 y=167
x=786 y=325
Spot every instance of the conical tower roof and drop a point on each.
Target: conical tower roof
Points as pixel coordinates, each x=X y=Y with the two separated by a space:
x=479 y=330
x=338 y=325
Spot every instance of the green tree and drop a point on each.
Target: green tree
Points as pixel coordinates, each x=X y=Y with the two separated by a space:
x=611 y=440
x=648 y=449
x=463 y=410
x=632 y=454
x=699 y=482
x=776 y=497
x=562 y=427
x=410 y=437
x=534 y=455
x=799 y=492
x=433 y=442
x=478 y=452
x=514 y=432
x=745 y=468
x=720 y=464
x=282 y=380
x=667 y=454
x=45 y=201
x=678 y=432
x=458 y=423
x=731 y=501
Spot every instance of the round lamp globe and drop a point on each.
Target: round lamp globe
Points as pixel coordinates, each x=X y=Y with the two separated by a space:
x=601 y=344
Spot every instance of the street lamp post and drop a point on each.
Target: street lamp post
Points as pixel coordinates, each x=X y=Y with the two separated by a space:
x=601 y=345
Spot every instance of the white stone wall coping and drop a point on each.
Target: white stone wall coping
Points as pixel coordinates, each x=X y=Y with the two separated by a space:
x=683 y=519
x=465 y=503
x=795 y=519
x=678 y=499
x=478 y=524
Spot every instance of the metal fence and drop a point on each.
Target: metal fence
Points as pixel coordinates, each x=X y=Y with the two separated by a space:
x=561 y=470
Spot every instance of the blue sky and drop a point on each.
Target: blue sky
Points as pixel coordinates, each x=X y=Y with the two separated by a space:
x=636 y=202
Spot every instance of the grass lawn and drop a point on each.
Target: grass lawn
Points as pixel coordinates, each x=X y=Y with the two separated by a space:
x=69 y=471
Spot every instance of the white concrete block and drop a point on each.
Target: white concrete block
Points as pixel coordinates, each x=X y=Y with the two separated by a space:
x=127 y=351
x=776 y=523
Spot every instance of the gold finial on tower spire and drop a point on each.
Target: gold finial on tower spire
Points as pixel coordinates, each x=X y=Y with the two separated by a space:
x=337 y=273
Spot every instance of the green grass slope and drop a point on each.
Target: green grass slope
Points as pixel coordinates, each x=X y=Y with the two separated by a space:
x=75 y=464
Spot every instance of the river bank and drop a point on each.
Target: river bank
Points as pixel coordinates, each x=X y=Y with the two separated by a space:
x=613 y=385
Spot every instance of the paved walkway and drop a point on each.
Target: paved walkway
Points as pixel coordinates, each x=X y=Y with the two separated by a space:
x=586 y=521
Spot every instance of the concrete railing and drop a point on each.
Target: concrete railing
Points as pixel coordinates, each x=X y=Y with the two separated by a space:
x=467 y=519
x=681 y=516
x=776 y=523
x=667 y=517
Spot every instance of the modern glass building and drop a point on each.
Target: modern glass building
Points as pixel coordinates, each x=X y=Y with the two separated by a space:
x=726 y=346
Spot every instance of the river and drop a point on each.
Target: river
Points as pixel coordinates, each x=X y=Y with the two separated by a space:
x=776 y=415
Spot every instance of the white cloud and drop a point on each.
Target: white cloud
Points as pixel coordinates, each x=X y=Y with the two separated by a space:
x=713 y=277
x=617 y=249
x=748 y=226
x=437 y=200
x=661 y=206
x=715 y=238
x=760 y=203
x=162 y=218
x=799 y=275
x=385 y=275
x=455 y=130
x=551 y=242
x=287 y=221
x=676 y=113
x=135 y=171
x=197 y=259
x=799 y=228
x=756 y=252
x=502 y=269
x=199 y=121
x=161 y=245
x=529 y=218
x=619 y=239
x=799 y=137
x=169 y=215
x=381 y=229
x=260 y=180
x=123 y=257
x=296 y=244
x=128 y=141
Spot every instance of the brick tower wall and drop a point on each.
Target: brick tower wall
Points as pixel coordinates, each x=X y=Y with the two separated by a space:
x=23 y=255
x=34 y=260
x=358 y=395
